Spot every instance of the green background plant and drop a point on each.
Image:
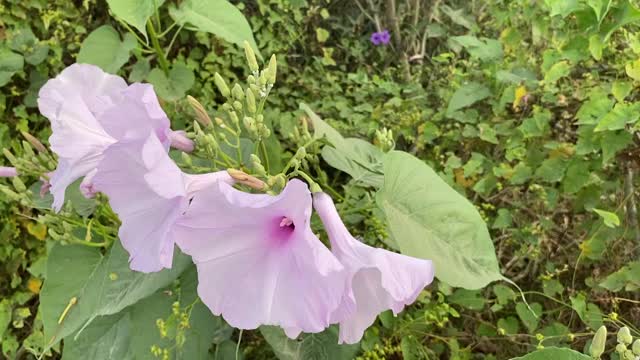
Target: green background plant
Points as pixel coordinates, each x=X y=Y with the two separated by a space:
x=527 y=109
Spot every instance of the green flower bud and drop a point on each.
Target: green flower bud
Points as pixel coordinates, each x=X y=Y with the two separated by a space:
x=227 y=107
x=12 y=159
x=620 y=348
x=301 y=153
x=237 y=92
x=237 y=105
x=262 y=79
x=186 y=158
x=251 y=57
x=636 y=347
x=598 y=343
x=222 y=86
x=251 y=79
x=628 y=355
x=624 y=336
x=249 y=124
x=234 y=117
x=256 y=164
x=18 y=184
x=251 y=101
x=271 y=70
x=260 y=119
x=278 y=182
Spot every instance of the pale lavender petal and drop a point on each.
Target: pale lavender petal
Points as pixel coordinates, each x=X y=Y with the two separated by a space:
x=180 y=141
x=6 y=171
x=86 y=186
x=96 y=88
x=79 y=141
x=137 y=114
x=147 y=191
x=379 y=279
x=258 y=261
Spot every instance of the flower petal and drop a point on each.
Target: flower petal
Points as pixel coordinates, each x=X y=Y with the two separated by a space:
x=147 y=191
x=99 y=90
x=247 y=273
x=379 y=279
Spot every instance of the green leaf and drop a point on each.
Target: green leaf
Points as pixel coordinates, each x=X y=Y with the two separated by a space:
x=508 y=325
x=557 y=71
x=430 y=220
x=174 y=87
x=552 y=170
x=411 y=348
x=595 y=108
x=104 y=48
x=322 y=35
x=10 y=63
x=610 y=219
x=321 y=346
x=562 y=7
x=218 y=17
x=589 y=313
x=596 y=45
x=106 y=338
x=619 y=17
x=577 y=176
x=600 y=8
x=627 y=278
x=617 y=118
x=529 y=319
x=633 y=69
x=504 y=294
x=483 y=49
x=356 y=157
x=24 y=41
x=536 y=125
x=467 y=95
x=470 y=299
x=553 y=353
x=102 y=285
x=621 y=89
x=135 y=13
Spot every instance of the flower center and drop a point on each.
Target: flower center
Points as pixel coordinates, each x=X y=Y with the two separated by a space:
x=282 y=229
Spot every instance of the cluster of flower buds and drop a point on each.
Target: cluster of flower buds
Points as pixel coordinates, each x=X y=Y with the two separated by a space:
x=624 y=340
x=247 y=103
x=384 y=139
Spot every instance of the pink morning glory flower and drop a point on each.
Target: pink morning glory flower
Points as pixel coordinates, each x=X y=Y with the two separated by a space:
x=149 y=193
x=6 y=171
x=377 y=279
x=258 y=261
x=89 y=111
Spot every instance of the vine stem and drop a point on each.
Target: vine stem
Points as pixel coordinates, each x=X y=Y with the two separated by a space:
x=162 y=59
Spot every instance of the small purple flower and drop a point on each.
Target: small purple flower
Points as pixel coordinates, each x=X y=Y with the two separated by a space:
x=380 y=38
x=6 y=171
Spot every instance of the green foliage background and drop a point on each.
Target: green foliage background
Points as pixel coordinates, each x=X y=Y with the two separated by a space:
x=528 y=108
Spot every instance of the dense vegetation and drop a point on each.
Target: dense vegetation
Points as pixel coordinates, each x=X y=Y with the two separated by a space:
x=527 y=108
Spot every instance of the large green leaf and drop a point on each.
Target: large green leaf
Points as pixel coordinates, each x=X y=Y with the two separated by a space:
x=102 y=285
x=483 y=49
x=356 y=157
x=467 y=95
x=132 y=332
x=218 y=17
x=322 y=346
x=430 y=220
x=104 y=48
x=175 y=86
x=620 y=16
x=136 y=13
x=10 y=63
x=554 y=353
x=627 y=278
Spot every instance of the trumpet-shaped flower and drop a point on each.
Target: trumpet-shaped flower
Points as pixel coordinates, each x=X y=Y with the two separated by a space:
x=149 y=193
x=258 y=261
x=89 y=111
x=377 y=279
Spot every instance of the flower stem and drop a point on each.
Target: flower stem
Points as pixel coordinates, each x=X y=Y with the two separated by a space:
x=164 y=64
